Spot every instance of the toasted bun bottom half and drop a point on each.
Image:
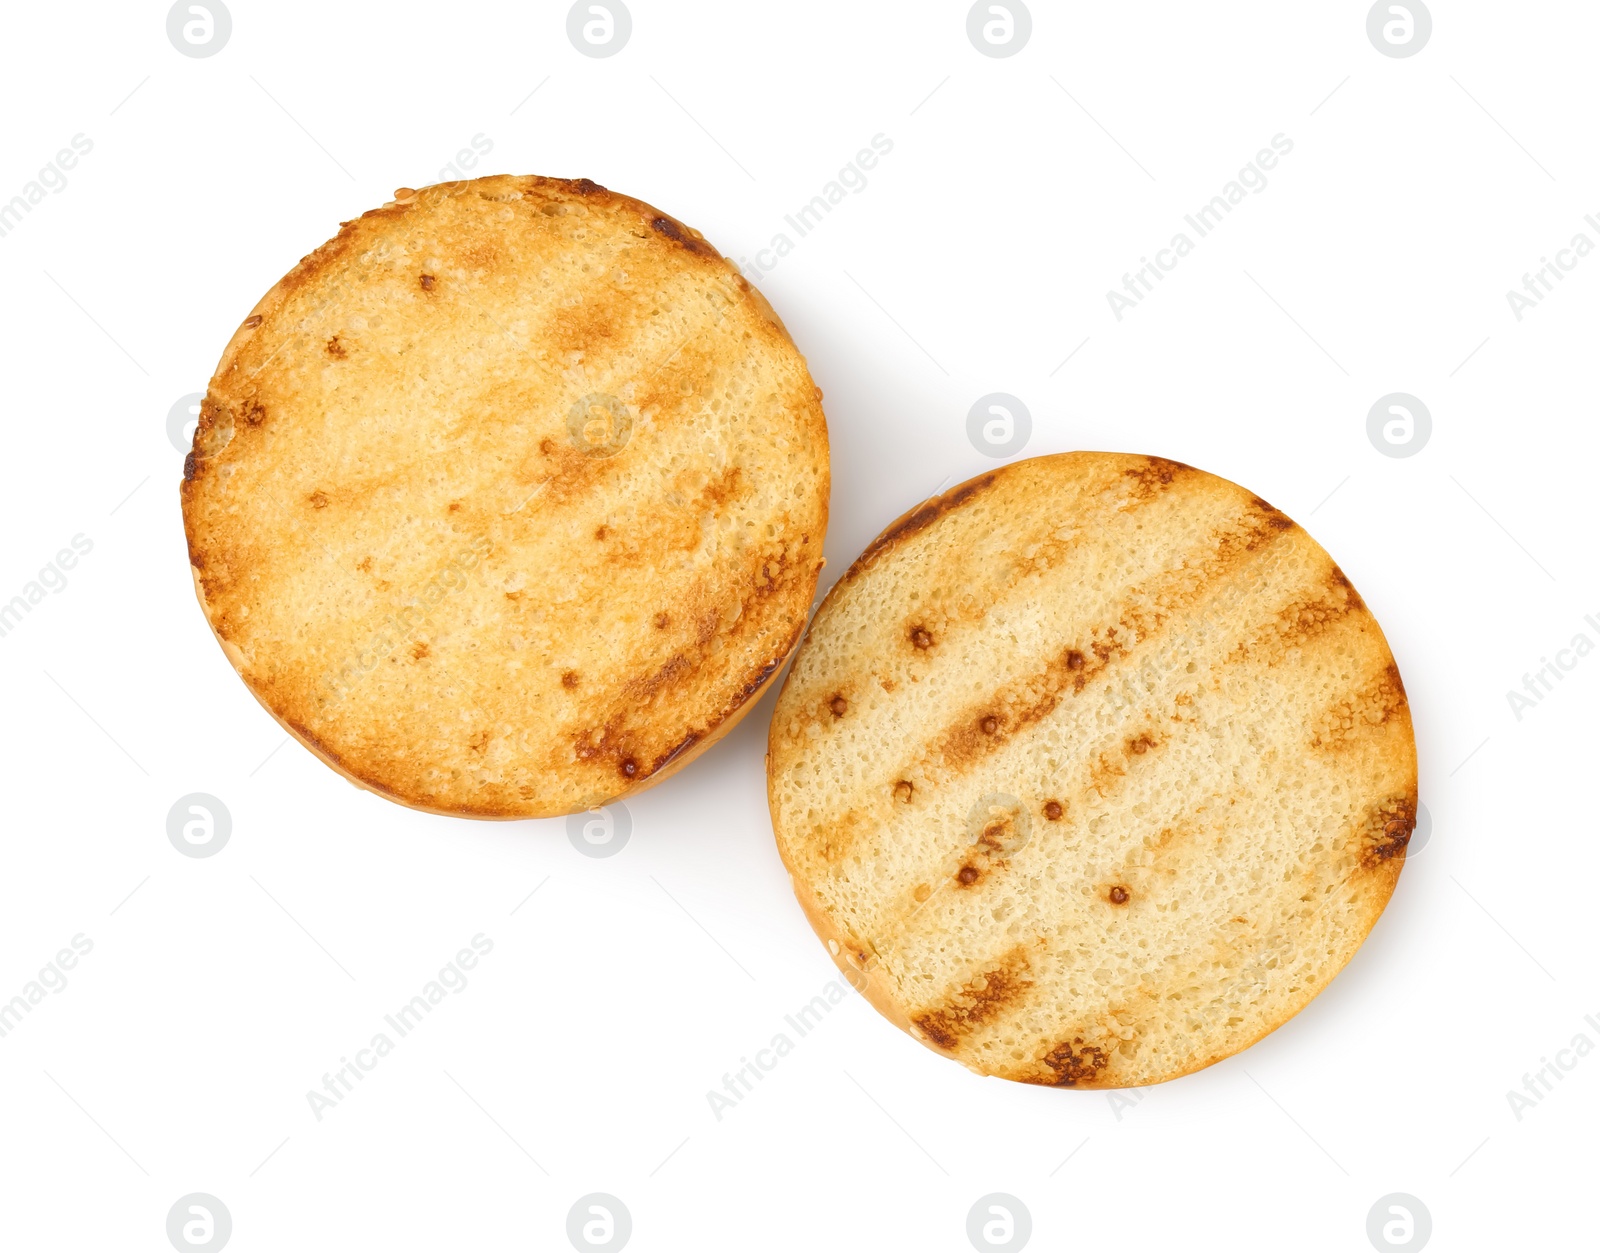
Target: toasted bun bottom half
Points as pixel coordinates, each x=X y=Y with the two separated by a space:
x=1093 y=770
x=509 y=500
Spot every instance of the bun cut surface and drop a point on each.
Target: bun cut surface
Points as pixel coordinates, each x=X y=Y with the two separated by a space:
x=509 y=499
x=1096 y=768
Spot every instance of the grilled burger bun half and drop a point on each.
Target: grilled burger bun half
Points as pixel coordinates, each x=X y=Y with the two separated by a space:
x=1093 y=771
x=509 y=500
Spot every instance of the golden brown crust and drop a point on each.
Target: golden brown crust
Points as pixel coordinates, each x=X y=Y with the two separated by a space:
x=1032 y=635
x=509 y=500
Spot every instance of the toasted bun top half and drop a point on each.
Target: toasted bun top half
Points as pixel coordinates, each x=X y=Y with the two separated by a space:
x=509 y=499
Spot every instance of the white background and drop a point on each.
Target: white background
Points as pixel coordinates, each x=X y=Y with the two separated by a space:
x=178 y=1057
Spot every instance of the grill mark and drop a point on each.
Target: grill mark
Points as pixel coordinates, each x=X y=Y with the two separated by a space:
x=588 y=326
x=673 y=753
x=615 y=741
x=1108 y=769
x=563 y=474
x=1337 y=577
x=612 y=332
x=833 y=841
x=750 y=688
x=965 y=741
x=991 y=850
x=1178 y=830
x=637 y=538
x=680 y=383
x=1155 y=476
x=1274 y=516
x=685 y=237
x=1301 y=621
x=981 y=1000
x=1006 y=713
x=1069 y=1064
x=1348 y=720
x=1386 y=830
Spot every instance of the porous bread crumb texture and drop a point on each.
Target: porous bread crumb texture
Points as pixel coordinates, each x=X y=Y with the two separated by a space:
x=1097 y=766
x=406 y=535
